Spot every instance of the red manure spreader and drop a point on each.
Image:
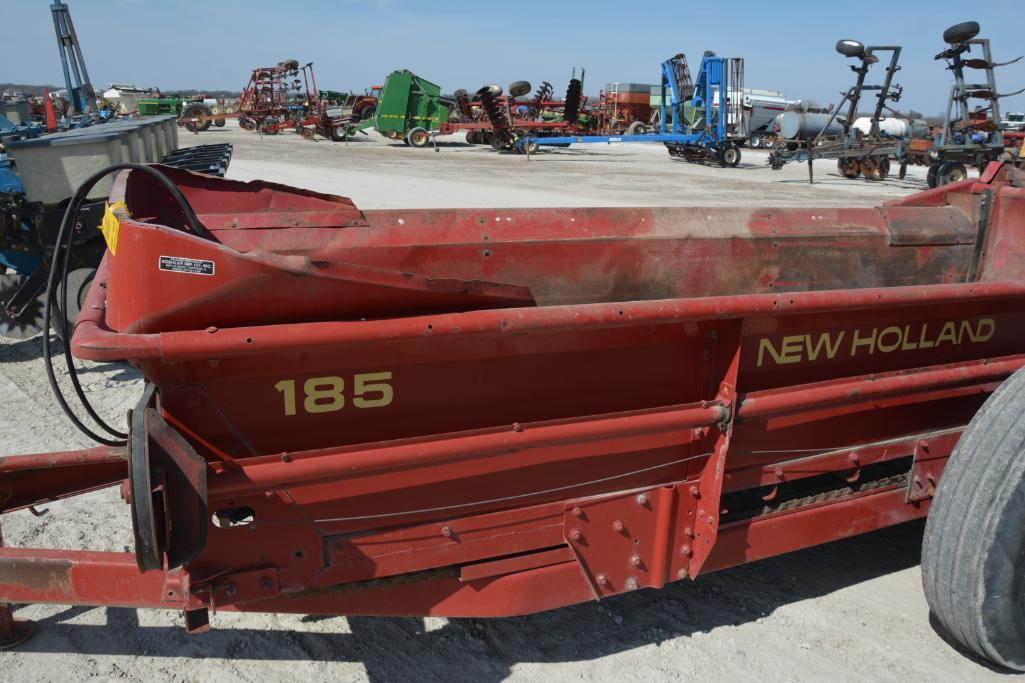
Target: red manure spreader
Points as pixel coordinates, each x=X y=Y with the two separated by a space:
x=490 y=412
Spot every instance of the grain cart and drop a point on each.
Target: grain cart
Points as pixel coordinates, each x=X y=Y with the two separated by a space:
x=491 y=412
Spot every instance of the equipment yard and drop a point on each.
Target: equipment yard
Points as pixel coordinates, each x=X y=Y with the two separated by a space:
x=850 y=610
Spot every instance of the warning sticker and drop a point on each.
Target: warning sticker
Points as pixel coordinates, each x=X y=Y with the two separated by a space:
x=110 y=226
x=192 y=266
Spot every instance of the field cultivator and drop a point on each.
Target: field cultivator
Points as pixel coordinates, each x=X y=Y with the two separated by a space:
x=968 y=137
x=478 y=412
x=700 y=120
x=284 y=98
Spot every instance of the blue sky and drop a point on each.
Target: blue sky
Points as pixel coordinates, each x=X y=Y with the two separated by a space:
x=354 y=43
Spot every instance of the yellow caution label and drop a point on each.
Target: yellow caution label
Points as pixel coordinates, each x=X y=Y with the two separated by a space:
x=111 y=226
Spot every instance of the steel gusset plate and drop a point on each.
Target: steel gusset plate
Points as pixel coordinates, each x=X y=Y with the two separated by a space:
x=167 y=479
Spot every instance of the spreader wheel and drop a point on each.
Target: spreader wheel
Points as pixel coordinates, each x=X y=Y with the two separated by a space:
x=754 y=141
x=930 y=176
x=418 y=137
x=338 y=133
x=973 y=552
x=903 y=171
x=246 y=123
x=308 y=133
x=850 y=167
x=219 y=123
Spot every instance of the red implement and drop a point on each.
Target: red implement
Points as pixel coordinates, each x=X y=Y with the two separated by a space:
x=493 y=412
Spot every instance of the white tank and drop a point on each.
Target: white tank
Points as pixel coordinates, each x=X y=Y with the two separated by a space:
x=797 y=126
x=894 y=127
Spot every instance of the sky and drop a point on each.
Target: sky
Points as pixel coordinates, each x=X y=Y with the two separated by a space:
x=354 y=44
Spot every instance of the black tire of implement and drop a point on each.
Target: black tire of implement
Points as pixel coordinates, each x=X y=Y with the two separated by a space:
x=930 y=176
x=219 y=123
x=958 y=33
x=196 y=109
x=973 y=552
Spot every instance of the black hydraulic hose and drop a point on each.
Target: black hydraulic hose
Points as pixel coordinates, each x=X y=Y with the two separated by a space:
x=59 y=268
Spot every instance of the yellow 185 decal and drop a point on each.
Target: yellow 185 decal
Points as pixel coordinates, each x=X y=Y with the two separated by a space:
x=327 y=394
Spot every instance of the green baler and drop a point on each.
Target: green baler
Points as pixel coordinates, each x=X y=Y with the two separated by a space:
x=407 y=102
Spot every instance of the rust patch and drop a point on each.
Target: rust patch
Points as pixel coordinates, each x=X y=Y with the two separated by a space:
x=37 y=574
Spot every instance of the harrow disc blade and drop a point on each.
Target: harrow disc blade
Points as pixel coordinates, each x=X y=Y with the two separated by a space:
x=30 y=322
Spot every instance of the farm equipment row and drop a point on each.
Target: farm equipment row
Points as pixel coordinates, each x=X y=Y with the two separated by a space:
x=969 y=135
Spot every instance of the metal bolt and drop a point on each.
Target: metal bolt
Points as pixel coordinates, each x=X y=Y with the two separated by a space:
x=711 y=519
x=855 y=460
x=602 y=580
x=575 y=535
x=517 y=427
x=211 y=330
x=778 y=473
x=635 y=560
x=447 y=532
x=578 y=513
x=231 y=590
x=618 y=526
x=641 y=499
x=701 y=512
x=285 y=457
x=631 y=583
x=682 y=573
x=688 y=532
x=685 y=550
x=266 y=583
x=694 y=491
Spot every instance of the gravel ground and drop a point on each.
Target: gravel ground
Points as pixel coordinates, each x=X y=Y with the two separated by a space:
x=851 y=610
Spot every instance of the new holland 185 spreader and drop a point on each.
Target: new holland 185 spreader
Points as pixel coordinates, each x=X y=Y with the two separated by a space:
x=494 y=412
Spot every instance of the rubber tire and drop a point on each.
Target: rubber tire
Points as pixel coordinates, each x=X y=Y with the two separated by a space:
x=754 y=141
x=930 y=176
x=636 y=128
x=418 y=137
x=958 y=33
x=729 y=157
x=219 y=123
x=973 y=551
x=196 y=109
x=338 y=133
x=947 y=170
x=368 y=113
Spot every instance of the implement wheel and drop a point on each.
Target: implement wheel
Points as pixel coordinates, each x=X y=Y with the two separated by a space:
x=308 y=133
x=729 y=156
x=875 y=168
x=973 y=552
x=850 y=167
x=196 y=110
x=950 y=172
x=418 y=137
x=930 y=176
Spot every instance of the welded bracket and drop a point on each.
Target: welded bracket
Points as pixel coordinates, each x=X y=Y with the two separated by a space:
x=632 y=540
x=985 y=207
x=709 y=489
x=167 y=479
x=925 y=471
